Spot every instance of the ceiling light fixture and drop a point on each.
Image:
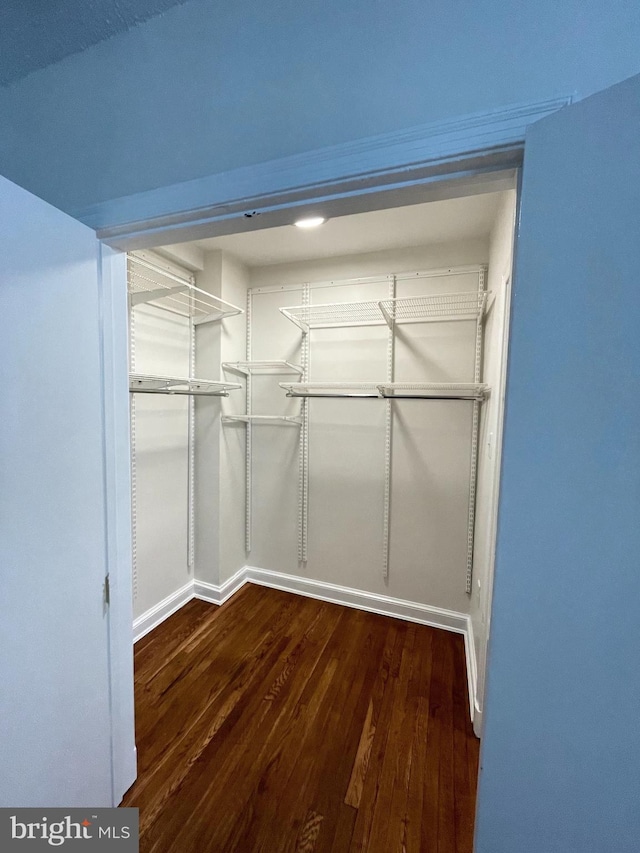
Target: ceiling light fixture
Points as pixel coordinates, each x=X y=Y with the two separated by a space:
x=310 y=222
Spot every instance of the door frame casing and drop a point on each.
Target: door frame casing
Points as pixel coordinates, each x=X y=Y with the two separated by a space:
x=117 y=488
x=348 y=178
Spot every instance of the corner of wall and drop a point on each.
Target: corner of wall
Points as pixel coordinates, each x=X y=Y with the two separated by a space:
x=234 y=281
x=207 y=431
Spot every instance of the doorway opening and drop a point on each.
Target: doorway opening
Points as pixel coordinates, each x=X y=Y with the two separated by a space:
x=320 y=412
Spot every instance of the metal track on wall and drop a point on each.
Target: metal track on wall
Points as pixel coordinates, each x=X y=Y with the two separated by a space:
x=475 y=430
x=191 y=440
x=132 y=429
x=303 y=498
x=388 y=440
x=248 y=435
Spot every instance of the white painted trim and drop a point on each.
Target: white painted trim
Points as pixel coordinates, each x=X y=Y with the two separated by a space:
x=472 y=669
x=219 y=594
x=115 y=403
x=411 y=611
x=151 y=618
x=471 y=143
x=212 y=593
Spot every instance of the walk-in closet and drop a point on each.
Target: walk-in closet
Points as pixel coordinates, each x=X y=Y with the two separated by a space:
x=317 y=414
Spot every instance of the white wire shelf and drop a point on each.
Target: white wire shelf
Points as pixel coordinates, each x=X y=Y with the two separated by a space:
x=145 y=383
x=274 y=420
x=413 y=309
x=153 y=285
x=389 y=390
x=468 y=305
x=334 y=315
x=266 y=367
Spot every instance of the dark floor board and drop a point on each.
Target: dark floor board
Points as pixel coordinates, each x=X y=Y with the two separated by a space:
x=464 y=782
x=249 y=718
x=280 y=724
x=374 y=782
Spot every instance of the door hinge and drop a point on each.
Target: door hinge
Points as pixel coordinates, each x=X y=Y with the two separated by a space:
x=106 y=593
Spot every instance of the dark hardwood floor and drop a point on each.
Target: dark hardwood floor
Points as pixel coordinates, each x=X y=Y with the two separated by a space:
x=280 y=723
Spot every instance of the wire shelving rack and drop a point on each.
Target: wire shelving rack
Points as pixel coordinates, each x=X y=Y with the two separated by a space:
x=467 y=305
x=149 y=283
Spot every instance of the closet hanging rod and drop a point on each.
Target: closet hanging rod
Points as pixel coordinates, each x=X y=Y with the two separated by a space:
x=176 y=392
x=274 y=420
x=388 y=391
x=151 y=384
x=469 y=397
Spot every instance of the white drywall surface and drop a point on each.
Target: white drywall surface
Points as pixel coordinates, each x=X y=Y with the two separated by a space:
x=207 y=434
x=431 y=446
x=232 y=555
x=161 y=460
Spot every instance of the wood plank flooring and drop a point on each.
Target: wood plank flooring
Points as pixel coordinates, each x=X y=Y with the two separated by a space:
x=281 y=724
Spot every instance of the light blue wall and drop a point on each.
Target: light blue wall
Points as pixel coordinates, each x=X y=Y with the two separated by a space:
x=211 y=86
x=55 y=746
x=561 y=751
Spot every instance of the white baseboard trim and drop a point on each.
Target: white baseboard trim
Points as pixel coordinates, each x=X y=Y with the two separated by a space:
x=472 y=669
x=385 y=605
x=411 y=611
x=219 y=594
x=151 y=618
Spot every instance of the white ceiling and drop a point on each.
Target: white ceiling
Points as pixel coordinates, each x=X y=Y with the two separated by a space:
x=419 y=224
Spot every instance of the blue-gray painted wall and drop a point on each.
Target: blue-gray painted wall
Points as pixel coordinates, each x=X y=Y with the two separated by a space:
x=209 y=86
x=561 y=749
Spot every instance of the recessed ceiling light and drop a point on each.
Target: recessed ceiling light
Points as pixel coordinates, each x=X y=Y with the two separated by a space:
x=310 y=222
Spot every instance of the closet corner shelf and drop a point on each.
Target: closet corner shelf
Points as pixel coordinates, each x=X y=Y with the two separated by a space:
x=468 y=305
x=152 y=285
x=273 y=420
x=265 y=367
x=389 y=390
x=151 y=384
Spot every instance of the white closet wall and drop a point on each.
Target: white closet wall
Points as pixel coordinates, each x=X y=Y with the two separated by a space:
x=181 y=511
x=207 y=434
x=160 y=448
x=235 y=279
x=431 y=443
